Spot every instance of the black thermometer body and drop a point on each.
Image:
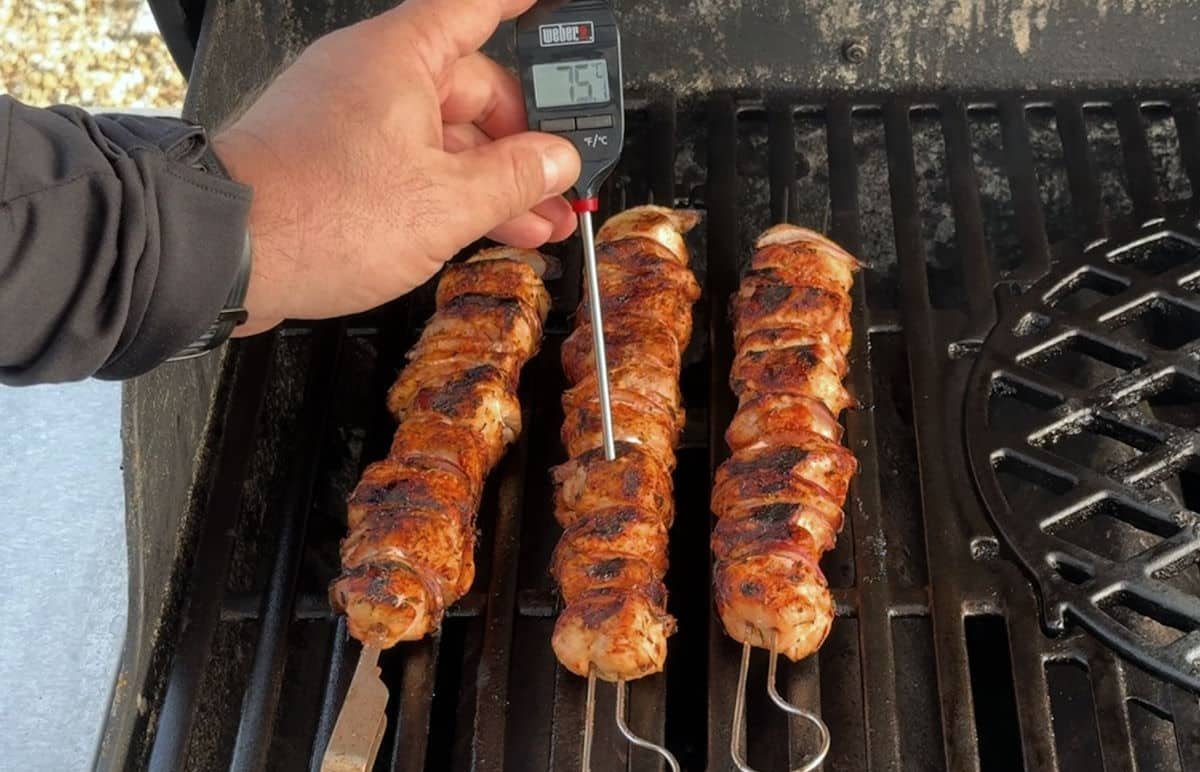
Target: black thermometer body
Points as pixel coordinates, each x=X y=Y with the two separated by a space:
x=569 y=54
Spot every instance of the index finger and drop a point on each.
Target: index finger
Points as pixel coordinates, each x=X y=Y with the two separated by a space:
x=443 y=31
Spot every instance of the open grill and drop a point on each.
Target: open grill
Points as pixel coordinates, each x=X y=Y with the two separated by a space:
x=938 y=658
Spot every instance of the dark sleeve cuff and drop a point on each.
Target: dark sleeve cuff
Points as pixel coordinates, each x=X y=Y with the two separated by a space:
x=117 y=249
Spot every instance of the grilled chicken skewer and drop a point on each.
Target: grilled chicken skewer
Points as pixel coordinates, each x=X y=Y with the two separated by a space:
x=778 y=497
x=612 y=557
x=410 y=550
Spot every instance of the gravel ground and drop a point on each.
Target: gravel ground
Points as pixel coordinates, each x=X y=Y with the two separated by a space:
x=103 y=53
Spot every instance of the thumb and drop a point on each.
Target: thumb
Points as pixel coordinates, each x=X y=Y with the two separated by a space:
x=510 y=176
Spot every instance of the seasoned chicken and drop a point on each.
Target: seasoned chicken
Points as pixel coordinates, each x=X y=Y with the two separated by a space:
x=799 y=253
x=493 y=324
x=387 y=602
x=410 y=549
x=428 y=439
x=503 y=279
x=657 y=223
x=762 y=303
x=612 y=556
x=761 y=417
x=617 y=634
x=633 y=339
x=632 y=422
x=650 y=298
x=617 y=531
x=778 y=496
x=391 y=486
x=633 y=382
x=635 y=478
x=799 y=370
x=774 y=468
x=775 y=599
x=480 y=397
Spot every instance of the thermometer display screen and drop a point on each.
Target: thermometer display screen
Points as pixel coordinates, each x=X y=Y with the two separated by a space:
x=560 y=84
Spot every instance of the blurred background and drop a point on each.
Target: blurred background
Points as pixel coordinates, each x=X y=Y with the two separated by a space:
x=62 y=536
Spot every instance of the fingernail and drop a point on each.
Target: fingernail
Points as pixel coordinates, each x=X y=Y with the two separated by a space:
x=558 y=163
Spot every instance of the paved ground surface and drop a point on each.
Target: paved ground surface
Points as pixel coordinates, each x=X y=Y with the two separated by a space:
x=62 y=538
x=91 y=52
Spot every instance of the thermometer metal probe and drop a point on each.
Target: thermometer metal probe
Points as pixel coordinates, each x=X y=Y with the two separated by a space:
x=569 y=54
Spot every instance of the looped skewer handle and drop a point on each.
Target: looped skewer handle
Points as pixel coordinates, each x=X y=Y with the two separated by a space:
x=739 y=714
x=640 y=742
x=589 y=727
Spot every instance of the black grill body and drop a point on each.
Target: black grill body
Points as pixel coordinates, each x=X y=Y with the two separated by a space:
x=943 y=655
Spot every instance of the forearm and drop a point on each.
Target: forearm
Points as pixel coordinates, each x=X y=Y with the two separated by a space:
x=115 y=250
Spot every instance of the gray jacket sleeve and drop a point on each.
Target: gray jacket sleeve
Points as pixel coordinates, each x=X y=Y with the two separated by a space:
x=116 y=249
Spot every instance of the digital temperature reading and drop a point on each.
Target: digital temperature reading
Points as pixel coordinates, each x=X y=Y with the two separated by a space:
x=558 y=84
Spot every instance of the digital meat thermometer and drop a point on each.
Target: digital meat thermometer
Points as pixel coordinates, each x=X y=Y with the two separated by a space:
x=569 y=52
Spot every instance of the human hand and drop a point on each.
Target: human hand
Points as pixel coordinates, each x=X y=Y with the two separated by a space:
x=381 y=151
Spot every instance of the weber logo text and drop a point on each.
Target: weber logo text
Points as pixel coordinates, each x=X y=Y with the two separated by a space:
x=572 y=34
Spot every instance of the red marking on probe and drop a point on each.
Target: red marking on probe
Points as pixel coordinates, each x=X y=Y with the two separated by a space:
x=581 y=205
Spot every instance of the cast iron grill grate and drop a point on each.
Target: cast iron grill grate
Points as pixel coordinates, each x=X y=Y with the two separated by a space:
x=1083 y=474
x=937 y=659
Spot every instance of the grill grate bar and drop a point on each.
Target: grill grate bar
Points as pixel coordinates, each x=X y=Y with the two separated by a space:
x=261 y=700
x=1081 y=170
x=959 y=737
x=722 y=195
x=864 y=504
x=968 y=217
x=1185 y=711
x=1107 y=675
x=1030 y=685
x=413 y=700
x=1139 y=163
x=1187 y=127
x=491 y=678
x=337 y=680
x=1024 y=189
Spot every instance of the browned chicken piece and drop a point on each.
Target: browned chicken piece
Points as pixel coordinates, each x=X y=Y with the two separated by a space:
x=798 y=252
x=617 y=634
x=764 y=416
x=634 y=338
x=657 y=223
x=496 y=278
x=480 y=397
x=624 y=531
x=807 y=524
x=777 y=338
x=762 y=304
x=774 y=469
x=633 y=381
x=386 y=603
x=634 y=478
x=800 y=371
x=612 y=556
x=429 y=541
x=578 y=573
x=427 y=438
x=775 y=599
x=410 y=549
x=658 y=433
x=809 y=505
x=391 y=486
x=651 y=298
x=637 y=259
x=496 y=324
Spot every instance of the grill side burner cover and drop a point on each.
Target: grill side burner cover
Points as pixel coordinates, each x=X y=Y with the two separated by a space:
x=1081 y=429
